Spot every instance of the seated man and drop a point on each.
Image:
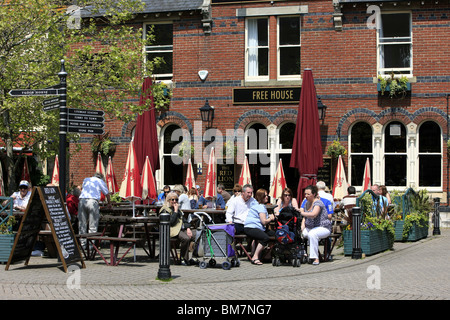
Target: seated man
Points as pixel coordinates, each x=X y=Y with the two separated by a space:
x=22 y=196
x=207 y=203
x=238 y=208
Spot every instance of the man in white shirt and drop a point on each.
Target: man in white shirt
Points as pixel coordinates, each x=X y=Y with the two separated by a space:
x=322 y=186
x=22 y=196
x=88 y=206
x=238 y=208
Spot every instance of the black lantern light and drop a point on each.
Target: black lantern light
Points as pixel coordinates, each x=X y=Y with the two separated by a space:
x=322 y=109
x=207 y=113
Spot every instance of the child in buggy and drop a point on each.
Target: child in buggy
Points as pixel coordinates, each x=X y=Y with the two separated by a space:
x=289 y=244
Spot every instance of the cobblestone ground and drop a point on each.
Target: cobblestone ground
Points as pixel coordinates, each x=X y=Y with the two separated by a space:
x=411 y=271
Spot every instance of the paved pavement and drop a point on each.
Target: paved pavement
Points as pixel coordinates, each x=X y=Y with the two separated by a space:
x=413 y=270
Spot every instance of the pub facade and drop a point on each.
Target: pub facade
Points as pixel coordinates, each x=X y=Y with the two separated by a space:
x=243 y=61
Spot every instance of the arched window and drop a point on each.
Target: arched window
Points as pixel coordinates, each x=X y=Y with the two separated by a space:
x=172 y=170
x=360 y=150
x=430 y=156
x=257 y=151
x=395 y=154
x=284 y=150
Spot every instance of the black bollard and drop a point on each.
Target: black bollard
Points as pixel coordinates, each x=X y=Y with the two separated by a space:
x=356 y=233
x=164 y=246
x=436 y=217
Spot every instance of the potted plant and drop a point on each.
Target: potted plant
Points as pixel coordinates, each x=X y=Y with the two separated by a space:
x=103 y=144
x=397 y=87
x=377 y=232
x=7 y=236
x=336 y=149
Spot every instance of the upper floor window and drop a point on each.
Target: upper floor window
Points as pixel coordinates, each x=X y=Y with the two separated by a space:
x=289 y=47
x=261 y=49
x=161 y=48
x=395 y=44
x=257 y=48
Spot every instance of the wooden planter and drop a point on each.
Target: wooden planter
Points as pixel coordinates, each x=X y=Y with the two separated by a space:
x=415 y=233
x=6 y=244
x=372 y=241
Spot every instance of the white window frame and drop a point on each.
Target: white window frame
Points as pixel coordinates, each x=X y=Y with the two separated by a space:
x=287 y=77
x=430 y=188
x=380 y=59
x=366 y=154
x=249 y=77
x=159 y=49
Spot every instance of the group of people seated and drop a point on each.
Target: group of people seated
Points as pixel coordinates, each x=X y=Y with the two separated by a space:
x=247 y=210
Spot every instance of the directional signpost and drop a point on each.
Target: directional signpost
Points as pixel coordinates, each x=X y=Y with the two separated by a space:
x=70 y=120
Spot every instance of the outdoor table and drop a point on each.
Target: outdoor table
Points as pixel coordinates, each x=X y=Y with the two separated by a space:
x=127 y=220
x=215 y=214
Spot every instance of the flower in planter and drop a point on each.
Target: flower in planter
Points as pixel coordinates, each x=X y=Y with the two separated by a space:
x=396 y=86
x=7 y=227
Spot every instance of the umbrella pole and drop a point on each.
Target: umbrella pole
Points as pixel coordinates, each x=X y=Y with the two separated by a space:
x=134 y=233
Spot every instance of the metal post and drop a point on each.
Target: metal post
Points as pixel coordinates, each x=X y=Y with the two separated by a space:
x=356 y=233
x=62 y=128
x=436 y=217
x=164 y=246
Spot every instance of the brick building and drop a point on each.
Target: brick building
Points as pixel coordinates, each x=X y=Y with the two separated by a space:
x=255 y=53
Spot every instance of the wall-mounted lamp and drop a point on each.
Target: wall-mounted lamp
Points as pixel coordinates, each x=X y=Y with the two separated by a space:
x=322 y=109
x=207 y=113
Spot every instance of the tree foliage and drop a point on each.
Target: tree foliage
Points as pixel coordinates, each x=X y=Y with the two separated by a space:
x=103 y=59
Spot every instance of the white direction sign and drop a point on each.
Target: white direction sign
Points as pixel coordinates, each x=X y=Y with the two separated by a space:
x=32 y=92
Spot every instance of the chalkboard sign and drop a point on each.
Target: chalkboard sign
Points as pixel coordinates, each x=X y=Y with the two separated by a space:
x=46 y=202
x=325 y=173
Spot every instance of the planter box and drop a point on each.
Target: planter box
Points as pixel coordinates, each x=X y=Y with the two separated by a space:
x=6 y=244
x=416 y=232
x=388 y=88
x=372 y=241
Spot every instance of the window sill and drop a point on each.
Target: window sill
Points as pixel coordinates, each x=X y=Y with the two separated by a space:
x=411 y=79
x=272 y=82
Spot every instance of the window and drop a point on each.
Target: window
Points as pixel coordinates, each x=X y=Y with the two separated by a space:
x=285 y=141
x=360 y=150
x=259 y=45
x=162 y=48
x=395 y=44
x=257 y=151
x=395 y=156
x=172 y=171
x=289 y=47
x=257 y=48
x=430 y=156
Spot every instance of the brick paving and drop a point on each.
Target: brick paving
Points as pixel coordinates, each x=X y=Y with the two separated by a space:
x=411 y=271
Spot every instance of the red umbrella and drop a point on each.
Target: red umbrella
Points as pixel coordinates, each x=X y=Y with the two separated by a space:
x=366 y=178
x=148 y=182
x=26 y=172
x=145 y=137
x=55 y=175
x=340 y=181
x=131 y=184
x=245 y=177
x=111 y=178
x=307 y=146
x=190 y=179
x=210 y=183
x=278 y=183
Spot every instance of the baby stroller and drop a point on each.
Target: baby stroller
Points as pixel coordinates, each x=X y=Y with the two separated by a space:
x=215 y=241
x=289 y=245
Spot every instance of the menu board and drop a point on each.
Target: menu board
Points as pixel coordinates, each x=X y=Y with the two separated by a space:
x=46 y=202
x=60 y=222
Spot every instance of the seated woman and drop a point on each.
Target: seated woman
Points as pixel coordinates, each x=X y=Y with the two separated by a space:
x=316 y=226
x=286 y=200
x=179 y=227
x=257 y=219
x=193 y=198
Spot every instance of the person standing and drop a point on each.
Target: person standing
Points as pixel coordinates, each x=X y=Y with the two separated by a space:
x=88 y=206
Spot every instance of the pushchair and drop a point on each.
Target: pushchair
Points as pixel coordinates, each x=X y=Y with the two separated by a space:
x=215 y=241
x=289 y=245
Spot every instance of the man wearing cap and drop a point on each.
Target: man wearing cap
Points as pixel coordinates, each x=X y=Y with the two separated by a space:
x=22 y=196
x=88 y=206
